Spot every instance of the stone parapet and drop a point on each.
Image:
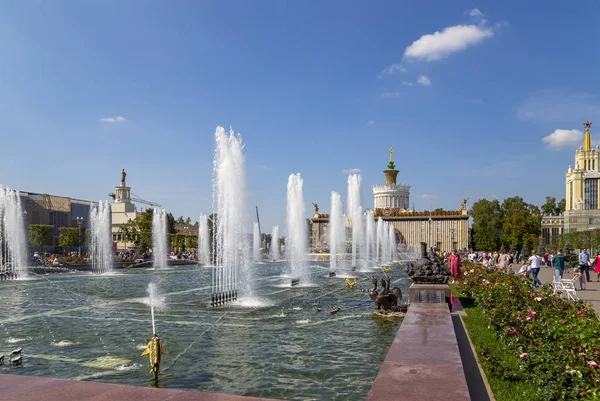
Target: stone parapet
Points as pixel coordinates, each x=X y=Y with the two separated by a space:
x=424 y=362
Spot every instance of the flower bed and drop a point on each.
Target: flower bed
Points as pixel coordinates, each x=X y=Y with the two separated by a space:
x=557 y=341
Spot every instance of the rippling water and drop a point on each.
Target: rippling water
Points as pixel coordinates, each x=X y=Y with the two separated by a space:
x=86 y=327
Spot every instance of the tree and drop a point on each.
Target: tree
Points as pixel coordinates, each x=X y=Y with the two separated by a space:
x=170 y=224
x=522 y=222
x=549 y=208
x=487 y=224
x=68 y=237
x=188 y=221
x=180 y=220
x=561 y=206
x=40 y=235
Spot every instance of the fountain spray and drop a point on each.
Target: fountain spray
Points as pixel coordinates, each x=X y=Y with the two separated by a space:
x=154 y=349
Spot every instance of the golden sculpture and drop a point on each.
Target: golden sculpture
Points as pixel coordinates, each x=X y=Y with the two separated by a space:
x=391 y=151
x=123 y=175
x=316 y=207
x=463 y=205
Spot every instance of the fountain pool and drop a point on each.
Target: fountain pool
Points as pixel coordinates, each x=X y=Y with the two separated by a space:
x=94 y=327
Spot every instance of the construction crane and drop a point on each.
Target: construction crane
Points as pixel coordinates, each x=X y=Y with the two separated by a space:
x=137 y=200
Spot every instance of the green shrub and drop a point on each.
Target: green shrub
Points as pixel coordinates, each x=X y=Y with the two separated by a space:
x=557 y=341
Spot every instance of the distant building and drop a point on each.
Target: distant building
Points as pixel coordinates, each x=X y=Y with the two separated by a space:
x=582 y=211
x=445 y=229
x=582 y=200
x=122 y=210
x=57 y=211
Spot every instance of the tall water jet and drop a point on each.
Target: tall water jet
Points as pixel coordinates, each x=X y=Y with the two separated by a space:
x=275 y=243
x=379 y=240
x=256 y=243
x=392 y=243
x=231 y=275
x=159 y=238
x=296 y=242
x=12 y=235
x=337 y=231
x=371 y=234
x=203 y=240
x=354 y=211
x=101 y=244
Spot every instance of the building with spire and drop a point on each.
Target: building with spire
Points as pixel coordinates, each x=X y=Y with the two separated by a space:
x=446 y=229
x=391 y=195
x=582 y=209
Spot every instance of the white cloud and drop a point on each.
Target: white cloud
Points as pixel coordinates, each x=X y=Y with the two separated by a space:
x=424 y=80
x=371 y=122
x=117 y=119
x=351 y=171
x=390 y=69
x=439 y=45
x=562 y=138
x=390 y=94
x=406 y=83
x=476 y=13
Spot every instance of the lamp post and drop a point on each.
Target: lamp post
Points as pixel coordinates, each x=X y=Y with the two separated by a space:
x=79 y=224
x=591 y=230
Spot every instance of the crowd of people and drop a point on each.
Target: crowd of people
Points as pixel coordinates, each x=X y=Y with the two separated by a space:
x=530 y=265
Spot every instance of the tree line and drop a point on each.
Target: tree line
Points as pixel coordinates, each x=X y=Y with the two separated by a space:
x=513 y=225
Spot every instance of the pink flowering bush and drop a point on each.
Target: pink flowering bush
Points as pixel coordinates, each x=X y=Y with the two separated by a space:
x=557 y=341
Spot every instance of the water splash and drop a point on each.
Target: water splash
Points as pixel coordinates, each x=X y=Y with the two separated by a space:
x=154 y=300
x=337 y=232
x=203 y=240
x=275 y=243
x=101 y=244
x=232 y=272
x=159 y=238
x=354 y=212
x=296 y=242
x=12 y=234
x=256 y=243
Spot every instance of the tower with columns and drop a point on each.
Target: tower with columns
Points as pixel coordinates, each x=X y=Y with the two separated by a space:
x=391 y=195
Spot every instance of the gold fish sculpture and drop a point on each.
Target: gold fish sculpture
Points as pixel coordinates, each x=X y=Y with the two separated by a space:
x=154 y=352
x=351 y=284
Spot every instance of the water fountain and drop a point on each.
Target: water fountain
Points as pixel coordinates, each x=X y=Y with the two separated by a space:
x=101 y=244
x=392 y=242
x=296 y=242
x=275 y=243
x=337 y=232
x=354 y=212
x=371 y=234
x=203 y=240
x=12 y=235
x=379 y=240
x=256 y=243
x=159 y=238
x=231 y=273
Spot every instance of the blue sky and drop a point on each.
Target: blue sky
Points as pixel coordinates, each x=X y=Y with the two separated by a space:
x=313 y=87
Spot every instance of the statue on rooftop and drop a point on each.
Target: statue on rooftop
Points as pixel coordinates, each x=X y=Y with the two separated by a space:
x=463 y=205
x=316 y=207
x=123 y=175
x=391 y=165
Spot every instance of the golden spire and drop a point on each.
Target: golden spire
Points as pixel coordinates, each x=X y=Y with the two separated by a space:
x=391 y=151
x=587 y=138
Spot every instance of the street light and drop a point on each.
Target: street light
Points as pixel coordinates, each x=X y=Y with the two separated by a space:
x=79 y=224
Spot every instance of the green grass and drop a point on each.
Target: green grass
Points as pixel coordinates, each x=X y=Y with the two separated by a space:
x=493 y=354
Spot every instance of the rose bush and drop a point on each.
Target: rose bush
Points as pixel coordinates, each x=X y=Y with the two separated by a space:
x=557 y=341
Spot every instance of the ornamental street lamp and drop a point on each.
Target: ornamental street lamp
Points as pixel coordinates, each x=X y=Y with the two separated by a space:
x=79 y=224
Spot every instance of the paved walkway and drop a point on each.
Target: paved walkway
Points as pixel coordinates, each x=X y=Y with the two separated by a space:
x=591 y=294
x=21 y=388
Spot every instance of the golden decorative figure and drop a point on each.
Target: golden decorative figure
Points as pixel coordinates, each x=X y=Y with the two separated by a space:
x=123 y=175
x=316 y=207
x=463 y=206
x=391 y=151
